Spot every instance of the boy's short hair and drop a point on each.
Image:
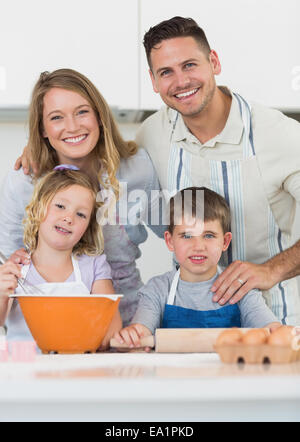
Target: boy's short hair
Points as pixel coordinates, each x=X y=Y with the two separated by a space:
x=200 y=202
x=174 y=28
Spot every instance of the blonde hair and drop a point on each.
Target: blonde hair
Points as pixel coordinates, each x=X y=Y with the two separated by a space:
x=91 y=243
x=110 y=147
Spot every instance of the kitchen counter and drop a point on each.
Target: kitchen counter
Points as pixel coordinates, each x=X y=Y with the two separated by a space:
x=153 y=387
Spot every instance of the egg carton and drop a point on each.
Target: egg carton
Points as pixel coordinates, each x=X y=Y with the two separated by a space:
x=257 y=354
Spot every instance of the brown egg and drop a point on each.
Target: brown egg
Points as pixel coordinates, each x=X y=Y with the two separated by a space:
x=282 y=336
x=256 y=336
x=231 y=336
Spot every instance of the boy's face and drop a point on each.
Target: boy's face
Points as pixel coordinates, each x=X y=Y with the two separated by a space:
x=198 y=248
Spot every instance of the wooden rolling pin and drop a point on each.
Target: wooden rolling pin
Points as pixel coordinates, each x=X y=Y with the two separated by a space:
x=178 y=340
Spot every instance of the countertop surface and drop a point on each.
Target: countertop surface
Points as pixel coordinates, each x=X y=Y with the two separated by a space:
x=169 y=376
x=147 y=387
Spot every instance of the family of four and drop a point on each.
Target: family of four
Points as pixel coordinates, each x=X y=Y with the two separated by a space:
x=234 y=262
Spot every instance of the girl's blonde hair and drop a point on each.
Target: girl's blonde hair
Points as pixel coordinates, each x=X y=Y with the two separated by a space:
x=91 y=243
x=110 y=147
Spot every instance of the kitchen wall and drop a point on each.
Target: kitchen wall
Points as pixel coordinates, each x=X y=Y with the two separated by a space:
x=257 y=41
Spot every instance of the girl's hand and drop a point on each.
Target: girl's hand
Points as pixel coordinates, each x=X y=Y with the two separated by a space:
x=9 y=274
x=20 y=257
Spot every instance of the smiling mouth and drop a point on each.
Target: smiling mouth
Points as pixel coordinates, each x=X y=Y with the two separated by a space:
x=188 y=94
x=75 y=140
x=197 y=259
x=62 y=230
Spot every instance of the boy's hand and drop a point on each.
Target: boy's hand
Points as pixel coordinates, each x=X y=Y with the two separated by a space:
x=239 y=278
x=9 y=273
x=132 y=334
x=26 y=162
x=20 y=257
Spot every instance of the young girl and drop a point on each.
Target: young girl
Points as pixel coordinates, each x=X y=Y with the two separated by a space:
x=66 y=244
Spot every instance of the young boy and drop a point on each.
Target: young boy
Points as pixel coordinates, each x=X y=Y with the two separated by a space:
x=182 y=298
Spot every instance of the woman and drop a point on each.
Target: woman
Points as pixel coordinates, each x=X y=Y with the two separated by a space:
x=70 y=123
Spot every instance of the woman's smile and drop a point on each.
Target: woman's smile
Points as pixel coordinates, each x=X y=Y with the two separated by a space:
x=75 y=141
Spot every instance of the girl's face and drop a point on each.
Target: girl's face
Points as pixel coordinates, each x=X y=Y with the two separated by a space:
x=70 y=124
x=68 y=216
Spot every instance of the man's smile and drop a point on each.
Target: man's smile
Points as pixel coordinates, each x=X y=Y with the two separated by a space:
x=188 y=94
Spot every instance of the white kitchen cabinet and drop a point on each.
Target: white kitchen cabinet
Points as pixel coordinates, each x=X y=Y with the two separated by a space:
x=97 y=38
x=257 y=42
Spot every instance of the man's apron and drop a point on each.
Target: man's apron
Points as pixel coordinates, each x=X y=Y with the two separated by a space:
x=239 y=181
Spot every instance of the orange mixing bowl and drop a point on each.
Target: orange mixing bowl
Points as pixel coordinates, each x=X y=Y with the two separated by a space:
x=68 y=324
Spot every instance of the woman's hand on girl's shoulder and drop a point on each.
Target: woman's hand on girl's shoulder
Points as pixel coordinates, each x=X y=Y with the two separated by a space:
x=20 y=257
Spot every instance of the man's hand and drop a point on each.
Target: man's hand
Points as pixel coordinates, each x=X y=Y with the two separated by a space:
x=239 y=278
x=132 y=335
x=26 y=162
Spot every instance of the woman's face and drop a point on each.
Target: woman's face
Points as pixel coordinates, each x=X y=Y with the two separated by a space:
x=70 y=124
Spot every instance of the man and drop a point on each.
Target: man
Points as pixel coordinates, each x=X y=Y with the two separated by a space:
x=208 y=136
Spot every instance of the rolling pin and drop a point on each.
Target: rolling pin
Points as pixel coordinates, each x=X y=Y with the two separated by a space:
x=178 y=340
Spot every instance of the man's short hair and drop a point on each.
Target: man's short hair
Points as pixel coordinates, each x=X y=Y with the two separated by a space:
x=200 y=202
x=173 y=28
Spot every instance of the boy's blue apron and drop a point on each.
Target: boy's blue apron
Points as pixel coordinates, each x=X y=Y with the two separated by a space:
x=179 y=317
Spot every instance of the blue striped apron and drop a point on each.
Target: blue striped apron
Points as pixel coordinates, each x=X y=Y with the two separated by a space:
x=228 y=178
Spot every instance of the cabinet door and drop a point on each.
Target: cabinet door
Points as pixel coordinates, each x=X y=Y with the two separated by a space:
x=96 y=37
x=257 y=42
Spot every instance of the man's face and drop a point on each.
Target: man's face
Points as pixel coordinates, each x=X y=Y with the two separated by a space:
x=184 y=75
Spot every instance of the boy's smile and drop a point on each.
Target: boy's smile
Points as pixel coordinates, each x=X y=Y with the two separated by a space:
x=198 y=248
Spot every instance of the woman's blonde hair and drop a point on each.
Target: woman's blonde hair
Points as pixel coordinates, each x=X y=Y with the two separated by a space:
x=91 y=243
x=110 y=147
